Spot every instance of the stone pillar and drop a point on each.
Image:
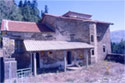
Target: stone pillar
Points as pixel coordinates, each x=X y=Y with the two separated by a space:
x=95 y=41
x=65 y=60
x=93 y=32
x=31 y=62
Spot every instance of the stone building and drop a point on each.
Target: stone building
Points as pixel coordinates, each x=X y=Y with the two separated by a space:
x=58 y=41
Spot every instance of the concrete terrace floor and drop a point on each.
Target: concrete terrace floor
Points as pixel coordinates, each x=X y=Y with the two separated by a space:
x=95 y=73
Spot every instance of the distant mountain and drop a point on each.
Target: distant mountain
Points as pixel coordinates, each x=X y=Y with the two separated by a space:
x=117 y=36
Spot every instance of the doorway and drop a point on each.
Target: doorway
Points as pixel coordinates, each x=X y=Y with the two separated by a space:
x=69 y=57
x=37 y=60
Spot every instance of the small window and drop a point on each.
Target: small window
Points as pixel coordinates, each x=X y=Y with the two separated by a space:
x=92 y=52
x=104 y=48
x=92 y=38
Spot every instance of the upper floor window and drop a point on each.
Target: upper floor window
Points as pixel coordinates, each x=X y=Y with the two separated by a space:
x=92 y=38
x=92 y=52
x=104 y=48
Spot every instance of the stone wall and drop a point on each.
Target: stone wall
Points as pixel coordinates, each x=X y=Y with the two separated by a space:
x=8 y=46
x=10 y=37
x=31 y=36
x=69 y=29
x=103 y=36
x=56 y=58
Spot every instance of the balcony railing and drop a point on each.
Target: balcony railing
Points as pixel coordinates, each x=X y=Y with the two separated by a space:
x=24 y=72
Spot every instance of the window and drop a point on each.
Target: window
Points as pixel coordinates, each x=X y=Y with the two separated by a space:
x=19 y=46
x=92 y=38
x=104 y=48
x=92 y=52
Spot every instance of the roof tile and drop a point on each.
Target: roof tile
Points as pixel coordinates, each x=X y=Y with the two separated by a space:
x=19 y=26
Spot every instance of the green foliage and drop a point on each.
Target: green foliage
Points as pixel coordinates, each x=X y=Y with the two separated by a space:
x=46 y=9
x=29 y=11
x=20 y=3
x=26 y=11
x=9 y=12
x=118 y=47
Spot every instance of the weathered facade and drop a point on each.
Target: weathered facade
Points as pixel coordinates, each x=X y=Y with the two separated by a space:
x=71 y=27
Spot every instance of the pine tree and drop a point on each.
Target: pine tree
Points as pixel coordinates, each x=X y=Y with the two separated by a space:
x=46 y=9
x=25 y=3
x=28 y=3
x=34 y=4
x=20 y=3
x=30 y=11
x=9 y=11
x=42 y=13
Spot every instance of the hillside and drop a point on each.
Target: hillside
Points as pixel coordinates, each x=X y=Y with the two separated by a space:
x=116 y=36
x=96 y=73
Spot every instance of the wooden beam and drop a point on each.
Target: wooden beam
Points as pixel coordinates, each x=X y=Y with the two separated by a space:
x=65 y=60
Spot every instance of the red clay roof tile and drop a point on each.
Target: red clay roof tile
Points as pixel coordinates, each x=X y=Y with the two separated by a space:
x=19 y=26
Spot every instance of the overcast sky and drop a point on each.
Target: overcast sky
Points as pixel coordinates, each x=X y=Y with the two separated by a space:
x=103 y=10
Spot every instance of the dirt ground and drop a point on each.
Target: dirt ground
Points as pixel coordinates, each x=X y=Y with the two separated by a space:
x=101 y=72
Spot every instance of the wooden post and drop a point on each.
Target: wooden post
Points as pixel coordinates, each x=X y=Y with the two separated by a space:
x=31 y=62
x=34 y=65
x=86 y=54
x=65 y=61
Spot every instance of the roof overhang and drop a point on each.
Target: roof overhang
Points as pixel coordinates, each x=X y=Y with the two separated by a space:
x=33 y=45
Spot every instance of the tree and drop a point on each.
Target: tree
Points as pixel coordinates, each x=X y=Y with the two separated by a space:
x=42 y=13
x=46 y=9
x=20 y=3
x=25 y=3
x=9 y=11
x=34 y=4
x=30 y=11
x=118 y=48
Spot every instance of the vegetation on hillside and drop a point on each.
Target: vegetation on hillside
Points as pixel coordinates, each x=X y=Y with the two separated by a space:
x=9 y=11
x=116 y=36
x=118 y=48
x=26 y=10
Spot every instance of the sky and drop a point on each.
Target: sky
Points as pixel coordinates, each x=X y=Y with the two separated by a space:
x=103 y=10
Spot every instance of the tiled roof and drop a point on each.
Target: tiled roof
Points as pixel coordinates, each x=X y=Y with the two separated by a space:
x=19 y=26
x=79 y=19
x=70 y=13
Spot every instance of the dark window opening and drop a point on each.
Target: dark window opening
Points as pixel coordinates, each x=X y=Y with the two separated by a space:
x=69 y=57
x=92 y=51
x=92 y=38
x=38 y=60
x=19 y=47
x=103 y=48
